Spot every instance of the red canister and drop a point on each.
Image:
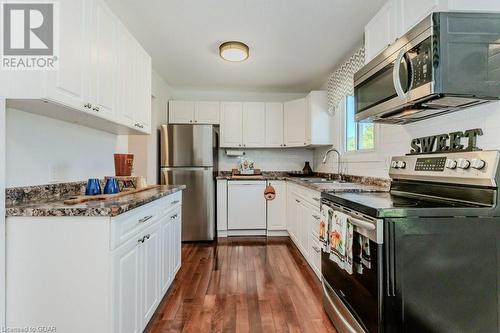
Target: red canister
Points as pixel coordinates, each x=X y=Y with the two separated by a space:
x=124 y=164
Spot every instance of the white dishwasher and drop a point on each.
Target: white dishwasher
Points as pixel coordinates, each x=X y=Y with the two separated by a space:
x=246 y=205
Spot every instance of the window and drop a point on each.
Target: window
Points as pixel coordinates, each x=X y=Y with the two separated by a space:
x=358 y=136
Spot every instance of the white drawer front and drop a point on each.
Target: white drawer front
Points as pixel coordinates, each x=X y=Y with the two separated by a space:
x=130 y=223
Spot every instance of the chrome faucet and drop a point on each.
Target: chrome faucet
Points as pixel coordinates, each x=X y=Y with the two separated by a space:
x=339 y=163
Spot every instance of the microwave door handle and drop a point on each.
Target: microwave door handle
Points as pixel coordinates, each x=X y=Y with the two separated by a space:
x=395 y=75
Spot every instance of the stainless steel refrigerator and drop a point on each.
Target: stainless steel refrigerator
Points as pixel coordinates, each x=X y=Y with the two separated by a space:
x=188 y=155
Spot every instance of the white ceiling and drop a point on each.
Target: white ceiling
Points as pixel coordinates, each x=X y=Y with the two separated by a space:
x=294 y=44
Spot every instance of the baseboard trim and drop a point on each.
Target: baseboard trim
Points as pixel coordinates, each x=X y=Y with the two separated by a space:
x=222 y=233
x=246 y=232
x=275 y=233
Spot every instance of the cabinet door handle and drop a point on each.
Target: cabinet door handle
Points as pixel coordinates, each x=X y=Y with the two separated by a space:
x=297 y=200
x=316 y=217
x=147 y=236
x=316 y=199
x=317 y=249
x=96 y=109
x=87 y=105
x=173 y=217
x=284 y=145
x=175 y=202
x=145 y=218
x=141 y=240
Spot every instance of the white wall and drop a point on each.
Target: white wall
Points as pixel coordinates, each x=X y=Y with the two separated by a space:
x=41 y=150
x=145 y=147
x=393 y=140
x=290 y=159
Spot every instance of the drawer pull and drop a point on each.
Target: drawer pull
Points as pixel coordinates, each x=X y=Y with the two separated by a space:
x=316 y=199
x=316 y=217
x=297 y=200
x=175 y=202
x=147 y=236
x=317 y=249
x=141 y=240
x=145 y=218
x=173 y=217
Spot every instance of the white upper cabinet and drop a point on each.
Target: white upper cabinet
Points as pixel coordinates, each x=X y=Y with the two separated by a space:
x=299 y=123
x=207 y=113
x=187 y=112
x=412 y=12
x=124 y=95
x=380 y=32
x=231 y=124
x=254 y=128
x=274 y=125
x=180 y=112
x=295 y=123
x=67 y=85
x=143 y=89
x=134 y=84
x=476 y=5
x=103 y=48
x=104 y=75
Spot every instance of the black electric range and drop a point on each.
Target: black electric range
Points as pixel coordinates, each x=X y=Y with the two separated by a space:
x=432 y=244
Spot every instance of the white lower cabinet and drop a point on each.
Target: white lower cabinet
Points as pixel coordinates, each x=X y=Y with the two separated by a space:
x=150 y=272
x=276 y=209
x=302 y=214
x=115 y=270
x=127 y=285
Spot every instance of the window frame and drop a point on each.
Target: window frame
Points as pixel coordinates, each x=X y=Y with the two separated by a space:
x=362 y=155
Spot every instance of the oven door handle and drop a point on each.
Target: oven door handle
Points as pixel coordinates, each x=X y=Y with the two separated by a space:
x=361 y=223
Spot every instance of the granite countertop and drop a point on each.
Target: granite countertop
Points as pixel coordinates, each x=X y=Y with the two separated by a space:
x=339 y=187
x=53 y=205
x=352 y=183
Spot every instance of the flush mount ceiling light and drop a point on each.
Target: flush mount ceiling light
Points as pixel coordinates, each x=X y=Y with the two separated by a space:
x=233 y=51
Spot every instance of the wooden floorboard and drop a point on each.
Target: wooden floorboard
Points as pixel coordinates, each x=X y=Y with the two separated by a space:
x=242 y=284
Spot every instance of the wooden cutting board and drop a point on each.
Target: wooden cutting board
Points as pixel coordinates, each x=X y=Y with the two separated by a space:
x=103 y=197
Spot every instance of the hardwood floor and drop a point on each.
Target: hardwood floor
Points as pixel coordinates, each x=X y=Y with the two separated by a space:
x=242 y=285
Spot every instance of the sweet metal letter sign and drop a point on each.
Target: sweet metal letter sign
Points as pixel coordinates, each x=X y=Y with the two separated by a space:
x=451 y=142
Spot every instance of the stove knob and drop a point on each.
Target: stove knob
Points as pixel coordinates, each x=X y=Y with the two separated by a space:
x=462 y=163
x=394 y=164
x=477 y=163
x=400 y=164
x=451 y=164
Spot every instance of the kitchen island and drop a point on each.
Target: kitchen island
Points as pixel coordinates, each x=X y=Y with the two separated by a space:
x=92 y=267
